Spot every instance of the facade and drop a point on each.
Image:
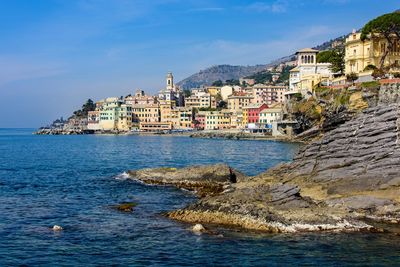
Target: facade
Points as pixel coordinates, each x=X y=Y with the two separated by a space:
x=269 y=94
x=115 y=115
x=146 y=113
x=308 y=72
x=199 y=121
x=239 y=100
x=140 y=98
x=181 y=118
x=198 y=100
x=217 y=120
x=93 y=120
x=213 y=90
x=155 y=126
x=270 y=115
x=359 y=54
x=251 y=113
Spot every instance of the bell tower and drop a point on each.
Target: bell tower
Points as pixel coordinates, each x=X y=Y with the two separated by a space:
x=170 y=81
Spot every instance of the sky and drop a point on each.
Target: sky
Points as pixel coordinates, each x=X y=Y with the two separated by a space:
x=55 y=54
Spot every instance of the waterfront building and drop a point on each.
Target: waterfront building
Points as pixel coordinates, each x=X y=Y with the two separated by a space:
x=93 y=120
x=268 y=94
x=307 y=73
x=181 y=117
x=270 y=115
x=238 y=100
x=217 y=120
x=199 y=120
x=251 y=113
x=115 y=115
x=146 y=113
x=237 y=119
x=155 y=126
x=359 y=54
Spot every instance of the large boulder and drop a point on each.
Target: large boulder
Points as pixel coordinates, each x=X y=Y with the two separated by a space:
x=205 y=180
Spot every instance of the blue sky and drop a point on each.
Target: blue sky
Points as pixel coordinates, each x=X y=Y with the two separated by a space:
x=55 y=54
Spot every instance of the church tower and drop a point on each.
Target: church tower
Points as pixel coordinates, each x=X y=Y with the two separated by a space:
x=170 y=81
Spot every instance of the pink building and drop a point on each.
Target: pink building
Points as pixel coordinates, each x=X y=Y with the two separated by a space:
x=199 y=122
x=253 y=112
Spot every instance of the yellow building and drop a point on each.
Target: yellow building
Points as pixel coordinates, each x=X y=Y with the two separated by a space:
x=360 y=54
x=238 y=100
x=217 y=120
x=181 y=117
x=146 y=113
x=115 y=115
x=213 y=90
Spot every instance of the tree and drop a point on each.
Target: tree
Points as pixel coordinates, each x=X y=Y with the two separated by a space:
x=337 y=60
x=222 y=104
x=88 y=106
x=187 y=92
x=386 y=26
x=351 y=77
x=325 y=56
x=218 y=83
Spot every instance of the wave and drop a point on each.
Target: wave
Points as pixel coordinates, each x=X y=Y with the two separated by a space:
x=122 y=176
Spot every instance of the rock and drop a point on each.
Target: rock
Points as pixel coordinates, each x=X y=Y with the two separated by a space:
x=125 y=206
x=204 y=180
x=57 y=228
x=198 y=228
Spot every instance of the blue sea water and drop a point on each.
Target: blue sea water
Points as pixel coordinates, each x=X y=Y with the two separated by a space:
x=73 y=181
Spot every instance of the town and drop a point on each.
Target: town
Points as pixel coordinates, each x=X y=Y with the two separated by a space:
x=243 y=105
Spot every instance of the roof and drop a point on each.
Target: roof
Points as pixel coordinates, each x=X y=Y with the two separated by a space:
x=270 y=110
x=254 y=106
x=307 y=50
x=294 y=69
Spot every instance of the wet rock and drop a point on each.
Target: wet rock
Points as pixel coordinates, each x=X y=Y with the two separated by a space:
x=125 y=206
x=57 y=228
x=198 y=228
x=204 y=180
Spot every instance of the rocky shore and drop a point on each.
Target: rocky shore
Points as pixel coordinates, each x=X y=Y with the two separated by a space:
x=237 y=135
x=349 y=180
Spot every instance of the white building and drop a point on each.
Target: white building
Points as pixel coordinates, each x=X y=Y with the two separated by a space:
x=308 y=72
x=171 y=93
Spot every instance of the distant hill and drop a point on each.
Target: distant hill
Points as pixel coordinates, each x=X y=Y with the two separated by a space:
x=219 y=72
x=228 y=72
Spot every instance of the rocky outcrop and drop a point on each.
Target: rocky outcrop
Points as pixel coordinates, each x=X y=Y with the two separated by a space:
x=349 y=180
x=350 y=176
x=204 y=180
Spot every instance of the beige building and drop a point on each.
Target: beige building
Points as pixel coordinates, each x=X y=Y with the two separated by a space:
x=269 y=94
x=239 y=100
x=360 y=54
x=270 y=115
x=199 y=100
x=146 y=113
x=181 y=117
x=217 y=120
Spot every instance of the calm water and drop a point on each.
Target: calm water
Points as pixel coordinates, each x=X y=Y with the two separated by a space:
x=73 y=180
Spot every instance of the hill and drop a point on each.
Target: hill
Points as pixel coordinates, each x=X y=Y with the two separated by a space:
x=228 y=72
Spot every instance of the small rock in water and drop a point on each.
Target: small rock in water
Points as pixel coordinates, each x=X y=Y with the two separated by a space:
x=57 y=228
x=198 y=228
x=125 y=207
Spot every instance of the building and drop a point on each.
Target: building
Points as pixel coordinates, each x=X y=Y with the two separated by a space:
x=181 y=117
x=270 y=115
x=93 y=120
x=155 y=126
x=269 y=94
x=115 y=115
x=307 y=73
x=171 y=93
x=359 y=54
x=198 y=100
x=214 y=91
x=249 y=82
x=146 y=113
x=217 y=120
x=238 y=100
x=251 y=113
x=140 y=98
x=199 y=121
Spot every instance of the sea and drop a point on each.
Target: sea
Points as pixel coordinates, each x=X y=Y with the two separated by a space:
x=74 y=182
